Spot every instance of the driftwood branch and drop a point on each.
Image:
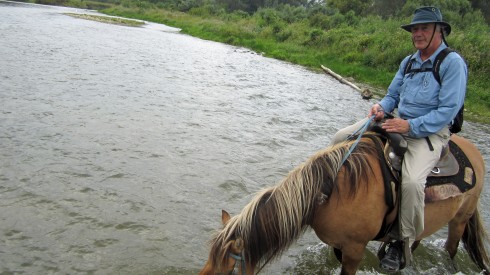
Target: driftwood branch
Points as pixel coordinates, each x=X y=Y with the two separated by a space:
x=340 y=78
x=366 y=94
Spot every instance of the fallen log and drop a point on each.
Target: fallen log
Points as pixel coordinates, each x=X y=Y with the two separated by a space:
x=365 y=93
x=340 y=78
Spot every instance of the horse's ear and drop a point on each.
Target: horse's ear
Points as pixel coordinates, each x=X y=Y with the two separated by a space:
x=225 y=217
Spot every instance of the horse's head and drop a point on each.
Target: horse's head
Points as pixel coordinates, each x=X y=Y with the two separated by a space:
x=227 y=256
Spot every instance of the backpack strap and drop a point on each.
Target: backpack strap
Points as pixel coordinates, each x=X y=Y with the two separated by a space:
x=408 y=65
x=435 y=68
x=457 y=122
x=438 y=61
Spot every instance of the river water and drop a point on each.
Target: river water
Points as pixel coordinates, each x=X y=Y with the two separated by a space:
x=119 y=146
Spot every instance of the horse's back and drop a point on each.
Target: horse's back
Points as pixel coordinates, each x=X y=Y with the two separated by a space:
x=457 y=209
x=475 y=157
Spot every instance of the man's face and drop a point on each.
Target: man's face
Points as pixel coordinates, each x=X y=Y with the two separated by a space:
x=422 y=35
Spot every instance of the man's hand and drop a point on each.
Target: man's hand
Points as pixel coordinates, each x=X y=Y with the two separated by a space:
x=396 y=125
x=378 y=111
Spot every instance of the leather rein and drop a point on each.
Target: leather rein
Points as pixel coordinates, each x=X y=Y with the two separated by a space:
x=238 y=259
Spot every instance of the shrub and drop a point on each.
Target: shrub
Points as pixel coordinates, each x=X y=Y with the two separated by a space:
x=267 y=17
x=319 y=20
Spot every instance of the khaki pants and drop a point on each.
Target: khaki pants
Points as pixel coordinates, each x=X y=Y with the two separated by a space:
x=417 y=164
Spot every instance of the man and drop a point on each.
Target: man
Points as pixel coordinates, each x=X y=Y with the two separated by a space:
x=425 y=109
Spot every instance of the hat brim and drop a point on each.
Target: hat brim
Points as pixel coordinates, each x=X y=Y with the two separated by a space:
x=408 y=27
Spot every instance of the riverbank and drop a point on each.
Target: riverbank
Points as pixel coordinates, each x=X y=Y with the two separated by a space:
x=334 y=50
x=108 y=20
x=366 y=51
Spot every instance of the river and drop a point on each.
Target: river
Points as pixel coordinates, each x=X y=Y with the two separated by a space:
x=119 y=146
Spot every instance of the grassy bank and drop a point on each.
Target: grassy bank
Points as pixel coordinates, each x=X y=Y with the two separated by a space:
x=367 y=49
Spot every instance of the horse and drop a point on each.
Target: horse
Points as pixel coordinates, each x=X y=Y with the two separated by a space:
x=343 y=200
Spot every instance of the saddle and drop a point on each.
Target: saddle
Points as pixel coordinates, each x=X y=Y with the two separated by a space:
x=452 y=176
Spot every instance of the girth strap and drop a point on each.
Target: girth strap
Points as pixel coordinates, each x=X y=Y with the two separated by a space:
x=387 y=175
x=387 y=179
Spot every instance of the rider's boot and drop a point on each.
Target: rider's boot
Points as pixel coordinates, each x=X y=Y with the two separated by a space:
x=392 y=261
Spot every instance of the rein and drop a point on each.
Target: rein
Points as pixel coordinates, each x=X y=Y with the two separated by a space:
x=359 y=134
x=241 y=259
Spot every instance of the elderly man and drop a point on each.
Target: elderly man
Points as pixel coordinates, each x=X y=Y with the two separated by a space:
x=425 y=107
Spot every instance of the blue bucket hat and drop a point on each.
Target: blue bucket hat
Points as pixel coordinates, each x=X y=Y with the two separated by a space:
x=425 y=15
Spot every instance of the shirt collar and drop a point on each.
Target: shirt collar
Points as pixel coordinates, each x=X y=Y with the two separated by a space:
x=432 y=58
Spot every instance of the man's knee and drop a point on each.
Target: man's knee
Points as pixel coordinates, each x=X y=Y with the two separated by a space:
x=344 y=133
x=339 y=137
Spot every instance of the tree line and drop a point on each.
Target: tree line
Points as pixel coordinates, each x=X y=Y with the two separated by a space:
x=383 y=8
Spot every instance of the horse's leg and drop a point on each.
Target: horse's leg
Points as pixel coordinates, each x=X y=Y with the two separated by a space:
x=338 y=254
x=451 y=246
x=455 y=231
x=351 y=258
x=415 y=245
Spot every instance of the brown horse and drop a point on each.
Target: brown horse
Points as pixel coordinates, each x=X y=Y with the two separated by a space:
x=345 y=205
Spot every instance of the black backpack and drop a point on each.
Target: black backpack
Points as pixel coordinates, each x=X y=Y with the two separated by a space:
x=457 y=122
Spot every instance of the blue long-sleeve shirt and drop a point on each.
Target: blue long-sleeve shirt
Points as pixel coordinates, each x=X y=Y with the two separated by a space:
x=420 y=99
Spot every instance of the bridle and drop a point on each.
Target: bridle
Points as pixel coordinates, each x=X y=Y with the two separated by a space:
x=241 y=259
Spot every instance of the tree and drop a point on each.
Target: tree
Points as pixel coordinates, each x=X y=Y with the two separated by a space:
x=484 y=6
x=359 y=7
x=387 y=8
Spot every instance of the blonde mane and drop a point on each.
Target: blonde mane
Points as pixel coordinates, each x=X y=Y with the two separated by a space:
x=278 y=215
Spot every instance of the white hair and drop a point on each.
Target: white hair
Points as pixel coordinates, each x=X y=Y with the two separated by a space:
x=441 y=28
